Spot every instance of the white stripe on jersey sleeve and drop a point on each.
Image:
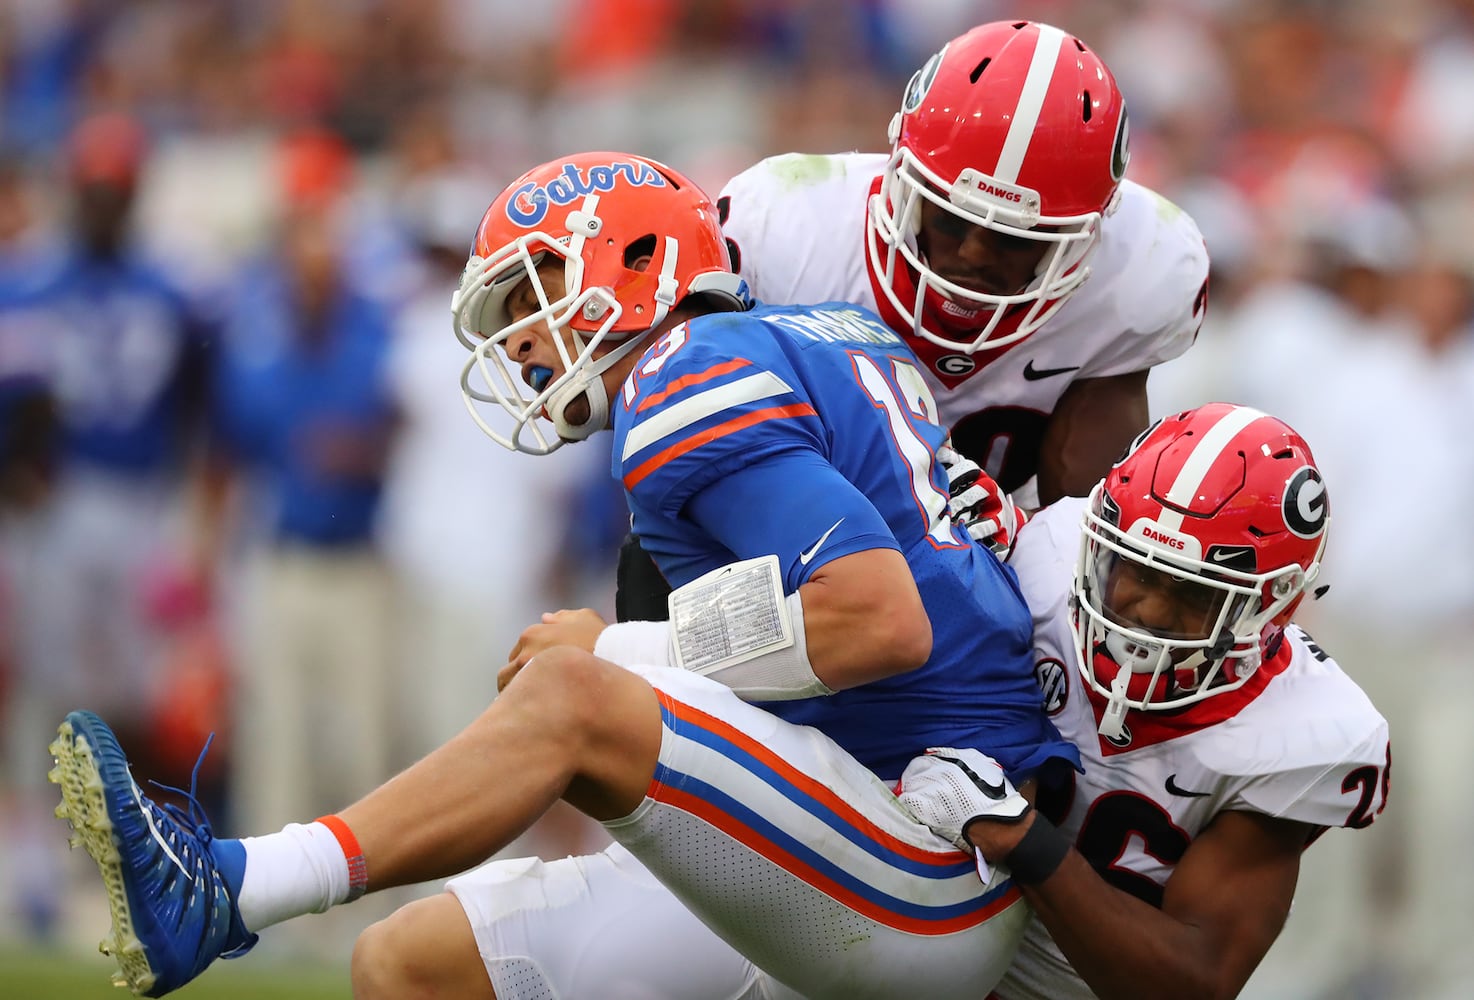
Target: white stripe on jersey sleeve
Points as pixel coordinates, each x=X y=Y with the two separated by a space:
x=709 y=402
x=1026 y=115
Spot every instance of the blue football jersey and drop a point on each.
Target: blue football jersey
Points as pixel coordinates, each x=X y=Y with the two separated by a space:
x=126 y=346
x=809 y=433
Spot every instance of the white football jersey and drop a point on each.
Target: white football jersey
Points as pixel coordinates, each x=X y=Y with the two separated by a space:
x=798 y=223
x=1301 y=742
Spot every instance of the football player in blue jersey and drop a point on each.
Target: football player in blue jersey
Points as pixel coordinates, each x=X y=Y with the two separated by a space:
x=781 y=463
x=124 y=356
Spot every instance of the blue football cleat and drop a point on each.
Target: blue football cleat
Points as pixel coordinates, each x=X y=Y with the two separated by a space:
x=173 y=907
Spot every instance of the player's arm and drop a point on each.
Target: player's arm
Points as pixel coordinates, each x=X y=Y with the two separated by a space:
x=864 y=619
x=1223 y=906
x=1091 y=426
x=840 y=598
x=863 y=616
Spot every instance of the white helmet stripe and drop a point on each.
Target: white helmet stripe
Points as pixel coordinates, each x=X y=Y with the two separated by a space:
x=1026 y=115
x=1201 y=459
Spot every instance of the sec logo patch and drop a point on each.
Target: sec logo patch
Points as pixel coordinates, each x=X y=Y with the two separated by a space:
x=1054 y=684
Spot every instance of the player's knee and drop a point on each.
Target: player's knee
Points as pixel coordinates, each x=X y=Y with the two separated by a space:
x=409 y=956
x=382 y=967
x=573 y=688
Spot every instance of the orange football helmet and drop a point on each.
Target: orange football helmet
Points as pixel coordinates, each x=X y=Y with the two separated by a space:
x=601 y=214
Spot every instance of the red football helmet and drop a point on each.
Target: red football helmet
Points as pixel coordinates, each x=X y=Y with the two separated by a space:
x=1016 y=127
x=1198 y=546
x=599 y=213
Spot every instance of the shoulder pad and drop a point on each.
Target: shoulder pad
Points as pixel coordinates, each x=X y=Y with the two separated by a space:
x=1311 y=747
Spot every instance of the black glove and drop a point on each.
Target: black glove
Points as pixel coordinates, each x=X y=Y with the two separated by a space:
x=640 y=590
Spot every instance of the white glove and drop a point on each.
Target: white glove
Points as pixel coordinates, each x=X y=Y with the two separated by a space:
x=949 y=788
x=979 y=504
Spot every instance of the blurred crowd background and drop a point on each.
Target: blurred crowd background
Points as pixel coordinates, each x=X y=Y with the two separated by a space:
x=239 y=492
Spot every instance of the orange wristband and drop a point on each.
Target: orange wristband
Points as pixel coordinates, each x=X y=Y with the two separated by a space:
x=357 y=867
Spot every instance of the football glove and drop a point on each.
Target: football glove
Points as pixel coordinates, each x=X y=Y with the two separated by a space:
x=949 y=788
x=979 y=504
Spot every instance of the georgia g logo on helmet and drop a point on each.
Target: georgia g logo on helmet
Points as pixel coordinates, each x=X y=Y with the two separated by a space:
x=1304 y=505
x=1121 y=151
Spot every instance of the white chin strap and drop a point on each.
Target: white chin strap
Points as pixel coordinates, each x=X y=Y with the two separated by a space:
x=1150 y=659
x=1132 y=658
x=587 y=382
x=591 y=389
x=1113 y=719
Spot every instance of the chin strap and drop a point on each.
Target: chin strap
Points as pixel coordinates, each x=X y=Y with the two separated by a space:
x=589 y=381
x=1113 y=720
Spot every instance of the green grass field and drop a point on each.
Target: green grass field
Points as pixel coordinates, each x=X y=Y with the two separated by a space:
x=32 y=975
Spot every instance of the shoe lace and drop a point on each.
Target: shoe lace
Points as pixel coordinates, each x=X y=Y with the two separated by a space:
x=188 y=833
x=188 y=829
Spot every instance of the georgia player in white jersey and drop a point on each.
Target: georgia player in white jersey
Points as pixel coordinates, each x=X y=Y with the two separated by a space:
x=1036 y=285
x=1218 y=739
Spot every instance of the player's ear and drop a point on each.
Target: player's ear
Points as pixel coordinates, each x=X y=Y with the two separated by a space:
x=640 y=252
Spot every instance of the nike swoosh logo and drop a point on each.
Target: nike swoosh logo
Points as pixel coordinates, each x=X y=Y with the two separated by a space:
x=1172 y=787
x=804 y=557
x=992 y=789
x=1033 y=374
x=1219 y=555
x=154 y=832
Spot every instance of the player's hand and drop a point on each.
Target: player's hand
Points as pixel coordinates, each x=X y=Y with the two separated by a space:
x=979 y=504
x=948 y=788
x=579 y=628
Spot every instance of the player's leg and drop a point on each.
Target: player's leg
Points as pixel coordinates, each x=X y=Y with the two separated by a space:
x=524 y=929
x=787 y=847
x=570 y=725
x=805 y=862
x=424 y=949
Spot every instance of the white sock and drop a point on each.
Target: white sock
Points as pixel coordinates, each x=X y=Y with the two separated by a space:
x=301 y=870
